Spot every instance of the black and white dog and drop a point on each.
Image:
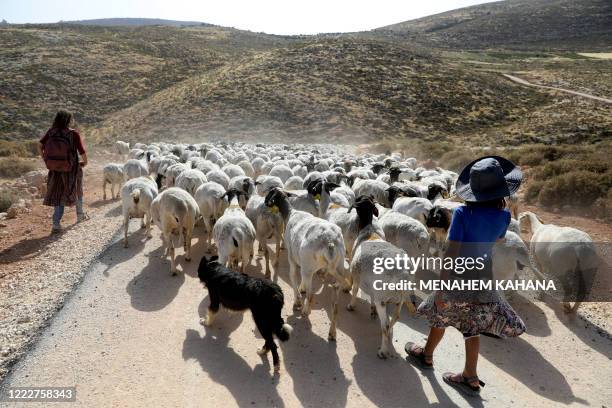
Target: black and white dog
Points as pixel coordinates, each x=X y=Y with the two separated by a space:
x=238 y=291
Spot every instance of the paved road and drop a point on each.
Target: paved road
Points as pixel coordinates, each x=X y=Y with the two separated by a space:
x=584 y=95
x=129 y=336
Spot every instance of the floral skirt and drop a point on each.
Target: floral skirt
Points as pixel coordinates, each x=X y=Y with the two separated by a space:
x=496 y=319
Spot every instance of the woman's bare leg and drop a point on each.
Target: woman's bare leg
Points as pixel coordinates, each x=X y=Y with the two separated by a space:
x=434 y=338
x=472 y=347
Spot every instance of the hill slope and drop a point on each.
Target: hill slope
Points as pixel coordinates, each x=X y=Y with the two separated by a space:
x=348 y=89
x=561 y=24
x=95 y=71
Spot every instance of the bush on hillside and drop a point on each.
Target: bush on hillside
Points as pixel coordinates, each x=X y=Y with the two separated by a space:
x=12 y=167
x=24 y=148
x=577 y=189
x=7 y=198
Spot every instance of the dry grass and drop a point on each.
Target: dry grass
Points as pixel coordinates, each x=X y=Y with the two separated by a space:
x=12 y=167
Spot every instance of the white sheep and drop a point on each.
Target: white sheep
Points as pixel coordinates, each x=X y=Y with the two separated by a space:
x=134 y=168
x=122 y=148
x=112 y=174
x=175 y=212
x=212 y=202
x=234 y=234
x=562 y=252
x=507 y=254
x=190 y=180
x=281 y=171
x=405 y=232
x=370 y=246
x=312 y=245
x=373 y=188
x=415 y=207
x=267 y=225
x=233 y=170
x=265 y=183
x=294 y=183
x=173 y=171
x=218 y=176
x=137 y=195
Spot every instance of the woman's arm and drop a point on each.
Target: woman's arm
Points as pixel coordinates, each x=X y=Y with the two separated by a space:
x=83 y=161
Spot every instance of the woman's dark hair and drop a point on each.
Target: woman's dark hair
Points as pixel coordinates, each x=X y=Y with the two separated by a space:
x=62 y=119
x=499 y=203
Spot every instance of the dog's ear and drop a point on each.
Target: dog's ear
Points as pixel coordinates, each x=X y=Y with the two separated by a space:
x=213 y=258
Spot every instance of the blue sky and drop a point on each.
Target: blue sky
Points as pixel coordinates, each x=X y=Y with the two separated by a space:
x=270 y=16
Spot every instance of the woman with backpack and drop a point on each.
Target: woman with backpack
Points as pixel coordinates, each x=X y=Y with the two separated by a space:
x=60 y=148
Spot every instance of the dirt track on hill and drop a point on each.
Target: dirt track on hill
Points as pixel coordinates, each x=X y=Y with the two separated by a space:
x=554 y=88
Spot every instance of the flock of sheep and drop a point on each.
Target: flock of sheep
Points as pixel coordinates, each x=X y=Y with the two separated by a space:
x=321 y=204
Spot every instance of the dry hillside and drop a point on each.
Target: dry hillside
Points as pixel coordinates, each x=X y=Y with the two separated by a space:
x=518 y=24
x=95 y=71
x=352 y=88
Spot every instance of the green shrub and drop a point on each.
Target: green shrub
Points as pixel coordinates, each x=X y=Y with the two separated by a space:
x=561 y=166
x=25 y=148
x=31 y=147
x=603 y=206
x=7 y=199
x=11 y=167
x=533 y=190
x=577 y=189
x=530 y=159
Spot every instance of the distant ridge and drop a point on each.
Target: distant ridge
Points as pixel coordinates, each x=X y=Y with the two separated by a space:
x=114 y=22
x=565 y=24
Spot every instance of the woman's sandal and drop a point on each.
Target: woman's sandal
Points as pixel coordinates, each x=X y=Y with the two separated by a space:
x=416 y=357
x=463 y=385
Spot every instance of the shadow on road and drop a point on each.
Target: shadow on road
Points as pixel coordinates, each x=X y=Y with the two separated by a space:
x=249 y=387
x=154 y=287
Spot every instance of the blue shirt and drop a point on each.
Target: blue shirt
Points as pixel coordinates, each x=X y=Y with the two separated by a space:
x=477 y=228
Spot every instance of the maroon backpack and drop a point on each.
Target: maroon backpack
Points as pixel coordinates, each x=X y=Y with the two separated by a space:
x=59 y=151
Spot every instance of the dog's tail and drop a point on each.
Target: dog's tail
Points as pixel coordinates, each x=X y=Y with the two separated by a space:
x=283 y=330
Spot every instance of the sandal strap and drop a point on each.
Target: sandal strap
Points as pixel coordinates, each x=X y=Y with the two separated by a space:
x=416 y=347
x=469 y=380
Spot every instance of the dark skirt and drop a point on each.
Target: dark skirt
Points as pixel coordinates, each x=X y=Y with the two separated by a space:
x=496 y=319
x=63 y=188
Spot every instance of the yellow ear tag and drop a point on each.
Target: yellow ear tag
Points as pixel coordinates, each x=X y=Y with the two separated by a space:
x=274 y=209
x=318 y=197
x=444 y=194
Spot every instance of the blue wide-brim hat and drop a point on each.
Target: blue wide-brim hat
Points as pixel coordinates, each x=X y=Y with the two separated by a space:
x=488 y=178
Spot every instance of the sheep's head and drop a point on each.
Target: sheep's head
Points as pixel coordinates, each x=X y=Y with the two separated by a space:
x=525 y=222
x=436 y=188
x=377 y=167
x=408 y=191
x=439 y=218
x=395 y=171
x=364 y=205
x=393 y=193
x=233 y=193
x=276 y=198
x=248 y=186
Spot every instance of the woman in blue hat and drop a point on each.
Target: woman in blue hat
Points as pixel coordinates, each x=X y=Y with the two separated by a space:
x=474 y=229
